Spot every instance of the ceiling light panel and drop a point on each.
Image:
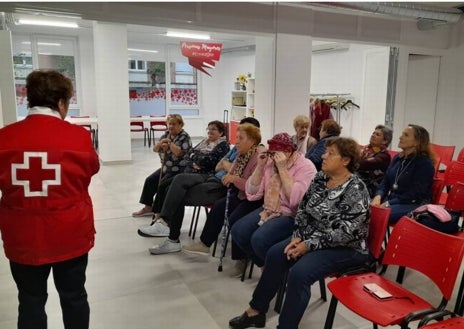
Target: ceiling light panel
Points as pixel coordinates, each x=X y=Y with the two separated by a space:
x=53 y=23
x=187 y=35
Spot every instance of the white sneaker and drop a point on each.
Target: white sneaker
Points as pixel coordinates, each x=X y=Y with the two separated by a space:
x=166 y=247
x=157 y=229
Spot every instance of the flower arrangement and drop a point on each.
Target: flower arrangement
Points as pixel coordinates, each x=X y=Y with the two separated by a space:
x=242 y=78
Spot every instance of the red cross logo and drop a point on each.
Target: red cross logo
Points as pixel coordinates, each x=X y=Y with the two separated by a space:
x=35 y=174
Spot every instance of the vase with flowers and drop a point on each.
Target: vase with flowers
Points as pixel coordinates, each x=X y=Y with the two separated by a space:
x=240 y=84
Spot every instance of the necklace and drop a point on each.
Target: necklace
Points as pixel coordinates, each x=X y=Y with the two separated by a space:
x=401 y=169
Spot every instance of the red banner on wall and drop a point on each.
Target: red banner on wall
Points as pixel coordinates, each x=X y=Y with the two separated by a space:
x=201 y=54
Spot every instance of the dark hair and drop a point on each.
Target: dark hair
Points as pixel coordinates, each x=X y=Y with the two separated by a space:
x=47 y=87
x=331 y=127
x=251 y=120
x=386 y=132
x=251 y=131
x=219 y=125
x=421 y=135
x=348 y=148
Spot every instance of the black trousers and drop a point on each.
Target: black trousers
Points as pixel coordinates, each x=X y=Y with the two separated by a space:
x=150 y=187
x=69 y=278
x=237 y=209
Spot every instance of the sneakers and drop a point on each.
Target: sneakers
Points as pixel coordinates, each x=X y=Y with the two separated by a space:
x=198 y=248
x=158 y=228
x=145 y=211
x=166 y=247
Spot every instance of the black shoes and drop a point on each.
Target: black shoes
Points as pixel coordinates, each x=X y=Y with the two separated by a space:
x=245 y=321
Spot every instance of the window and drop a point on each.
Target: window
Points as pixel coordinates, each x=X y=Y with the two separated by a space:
x=32 y=52
x=183 y=89
x=147 y=89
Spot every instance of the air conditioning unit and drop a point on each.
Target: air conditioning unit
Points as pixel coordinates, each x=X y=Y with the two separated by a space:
x=329 y=47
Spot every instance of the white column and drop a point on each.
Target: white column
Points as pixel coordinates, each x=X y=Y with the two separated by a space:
x=7 y=86
x=292 y=80
x=112 y=92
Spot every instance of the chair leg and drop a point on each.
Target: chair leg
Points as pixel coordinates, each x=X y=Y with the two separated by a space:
x=250 y=274
x=242 y=278
x=459 y=308
x=400 y=275
x=329 y=320
x=281 y=293
x=196 y=223
x=323 y=290
x=193 y=219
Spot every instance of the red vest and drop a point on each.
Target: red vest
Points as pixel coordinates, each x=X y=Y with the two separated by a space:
x=46 y=213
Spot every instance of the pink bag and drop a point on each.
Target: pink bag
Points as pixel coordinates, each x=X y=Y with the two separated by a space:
x=440 y=213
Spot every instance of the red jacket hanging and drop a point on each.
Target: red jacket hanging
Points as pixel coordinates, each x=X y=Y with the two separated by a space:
x=320 y=111
x=46 y=213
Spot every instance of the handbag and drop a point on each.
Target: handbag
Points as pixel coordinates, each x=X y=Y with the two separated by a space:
x=437 y=218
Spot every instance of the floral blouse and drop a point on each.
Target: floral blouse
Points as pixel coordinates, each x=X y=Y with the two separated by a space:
x=338 y=217
x=172 y=163
x=206 y=160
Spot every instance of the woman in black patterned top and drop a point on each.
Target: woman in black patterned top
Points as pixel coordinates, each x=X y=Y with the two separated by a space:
x=330 y=235
x=171 y=197
x=172 y=146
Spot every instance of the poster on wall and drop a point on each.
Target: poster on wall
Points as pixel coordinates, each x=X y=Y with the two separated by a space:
x=201 y=55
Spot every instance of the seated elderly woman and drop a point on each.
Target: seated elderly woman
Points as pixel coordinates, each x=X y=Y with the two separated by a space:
x=302 y=139
x=408 y=181
x=330 y=128
x=375 y=158
x=171 y=193
x=282 y=176
x=248 y=138
x=172 y=146
x=329 y=236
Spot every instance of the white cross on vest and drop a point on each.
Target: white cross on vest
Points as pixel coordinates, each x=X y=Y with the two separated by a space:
x=35 y=174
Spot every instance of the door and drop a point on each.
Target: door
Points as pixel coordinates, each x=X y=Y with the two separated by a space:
x=421 y=91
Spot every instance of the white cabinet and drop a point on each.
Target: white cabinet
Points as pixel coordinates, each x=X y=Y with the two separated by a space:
x=243 y=102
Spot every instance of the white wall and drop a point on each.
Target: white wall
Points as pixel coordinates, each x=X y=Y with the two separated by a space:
x=342 y=72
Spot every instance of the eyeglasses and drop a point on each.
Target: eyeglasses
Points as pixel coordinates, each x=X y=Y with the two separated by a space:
x=211 y=129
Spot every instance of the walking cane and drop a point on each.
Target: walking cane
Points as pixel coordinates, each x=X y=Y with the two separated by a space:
x=225 y=231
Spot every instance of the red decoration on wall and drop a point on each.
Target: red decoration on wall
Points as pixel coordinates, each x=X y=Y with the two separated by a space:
x=201 y=54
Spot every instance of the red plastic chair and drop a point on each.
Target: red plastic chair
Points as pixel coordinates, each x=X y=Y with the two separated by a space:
x=445 y=153
x=377 y=229
x=158 y=124
x=454 y=322
x=138 y=126
x=461 y=155
x=436 y=255
x=454 y=173
x=392 y=154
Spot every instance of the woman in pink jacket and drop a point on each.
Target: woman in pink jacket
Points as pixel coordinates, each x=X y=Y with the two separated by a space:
x=282 y=176
x=46 y=214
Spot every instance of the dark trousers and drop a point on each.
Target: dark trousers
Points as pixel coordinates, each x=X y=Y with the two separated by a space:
x=150 y=187
x=237 y=209
x=185 y=189
x=310 y=268
x=69 y=278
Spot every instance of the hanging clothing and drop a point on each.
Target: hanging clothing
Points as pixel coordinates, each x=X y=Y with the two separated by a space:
x=320 y=112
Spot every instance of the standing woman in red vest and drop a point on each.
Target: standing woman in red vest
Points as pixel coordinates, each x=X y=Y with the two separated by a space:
x=46 y=214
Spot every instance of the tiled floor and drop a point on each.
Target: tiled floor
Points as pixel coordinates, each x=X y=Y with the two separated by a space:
x=130 y=289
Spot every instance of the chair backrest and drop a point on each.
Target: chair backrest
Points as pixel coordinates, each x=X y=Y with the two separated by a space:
x=454 y=173
x=455 y=199
x=437 y=188
x=461 y=155
x=137 y=125
x=392 y=154
x=437 y=165
x=377 y=229
x=159 y=123
x=436 y=255
x=444 y=152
